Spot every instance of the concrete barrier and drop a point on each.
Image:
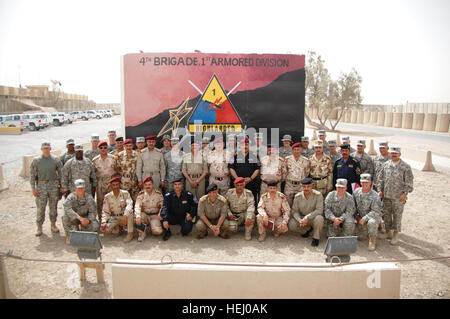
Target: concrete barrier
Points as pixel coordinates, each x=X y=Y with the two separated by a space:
x=397 y=120
x=3 y=184
x=348 y=116
x=418 y=119
x=372 y=148
x=388 y=119
x=10 y=131
x=373 y=118
x=380 y=119
x=354 y=117
x=442 y=122
x=429 y=167
x=366 y=119
x=429 y=123
x=338 y=139
x=360 y=119
x=407 y=121
x=225 y=281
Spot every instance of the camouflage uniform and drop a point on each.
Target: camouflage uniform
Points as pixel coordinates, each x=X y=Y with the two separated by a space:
x=75 y=169
x=284 y=152
x=75 y=207
x=173 y=162
x=151 y=163
x=105 y=169
x=308 y=152
x=368 y=207
x=322 y=173
x=365 y=162
x=112 y=147
x=164 y=151
x=91 y=154
x=296 y=170
x=273 y=168
x=242 y=207
x=126 y=168
x=335 y=157
x=378 y=164
x=326 y=148
x=65 y=157
x=113 y=210
x=219 y=173
x=147 y=209
x=213 y=212
x=343 y=208
x=117 y=151
x=312 y=209
x=276 y=209
x=195 y=167
x=394 y=180
x=45 y=176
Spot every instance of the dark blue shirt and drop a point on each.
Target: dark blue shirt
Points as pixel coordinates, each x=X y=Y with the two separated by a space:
x=350 y=170
x=179 y=206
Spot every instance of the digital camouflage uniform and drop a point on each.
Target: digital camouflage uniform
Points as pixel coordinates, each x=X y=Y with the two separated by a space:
x=296 y=170
x=45 y=177
x=308 y=152
x=242 y=207
x=284 y=152
x=312 y=208
x=273 y=168
x=173 y=161
x=219 y=173
x=195 y=167
x=335 y=157
x=147 y=209
x=343 y=208
x=322 y=173
x=277 y=209
x=365 y=162
x=368 y=207
x=65 y=157
x=394 y=180
x=113 y=210
x=80 y=207
x=126 y=167
x=105 y=169
x=91 y=154
x=151 y=163
x=326 y=148
x=75 y=169
x=378 y=164
x=212 y=211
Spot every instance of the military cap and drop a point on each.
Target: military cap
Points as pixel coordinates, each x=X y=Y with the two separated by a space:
x=45 y=145
x=174 y=140
x=366 y=177
x=318 y=143
x=345 y=147
x=306 y=181
x=304 y=139
x=259 y=135
x=346 y=138
x=102 y=144
x=298 y=144
x=70 y=141
x=79 y=183
x=166 y=137
x=394 y=149
x=211 y=187
x=218 y=140
x=140 y=139
x=78 y=148
x=111 y=132
x=332 y=143
x=341 y=182
x=272 y=183
x=322 y=132
x=95 y=137
x=286 y=138
x=119 y=139
x=115 y=179
x=361 y=142
x=128 y=141
x=383 y=144
x=175 y=180
x=147 y=179
x=239 y=180
x=150 y=137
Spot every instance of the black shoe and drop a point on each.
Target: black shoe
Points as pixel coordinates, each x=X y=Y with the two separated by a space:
x=166 y=235
x=315 y=242
x=306 y=235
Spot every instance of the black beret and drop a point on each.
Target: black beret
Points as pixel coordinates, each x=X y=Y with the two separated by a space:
x=272 y=183
x=119 y=139
x=179 y=179
x=306 y=181
x=345 y=146
x=211 y=187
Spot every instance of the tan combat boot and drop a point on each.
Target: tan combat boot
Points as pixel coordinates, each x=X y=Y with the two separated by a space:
x=248 y=234
x=53 y=228
x=128 y=238
x=389 y=234
x=67 y=240
x=142 y=236
x=262 y=237
x=372 y=243
x=39 y=230
x=394 y=239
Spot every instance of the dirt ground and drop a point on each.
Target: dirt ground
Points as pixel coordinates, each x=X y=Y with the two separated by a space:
x=425 y=234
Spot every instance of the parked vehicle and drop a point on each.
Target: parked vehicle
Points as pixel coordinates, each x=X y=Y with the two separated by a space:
x=58 y=119
x=13 y=120
x=81 y=115
x=2 y=120
x=70 y=118
x=94 y=114
x=35 y=123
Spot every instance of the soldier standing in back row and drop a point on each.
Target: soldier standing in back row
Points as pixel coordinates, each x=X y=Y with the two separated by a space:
x=173 y=161
x=334 y=154
x=394 y=183
x=166 y=144
x=323 y=137
x=218 y=160
x=94 y=151
x=70 y=144
x=150 y=162
x=347 y=167
x=380 y=160
x=45 y=180
x=297 y=168
x=194 y=169
x=273 y=168
x=112 y=141
x=78 y=167
x=346 y=141
x=126 y=167
x=365 y=161
x=286 y=149
x=321 y=170
x=306 y=152
x=140 y=143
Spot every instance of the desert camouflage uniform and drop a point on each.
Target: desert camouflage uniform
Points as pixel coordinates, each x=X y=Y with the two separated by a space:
x=147 y=209
x=219 y=173
x=312 y=208
x=75 y=169
x=116 y=207
x=213 y=212
x=75 y=207
x=365 y=162
x=45 y=176
x=65 y=157
x=273 y=168
x=394 y=180
x=195 y=167
x=151 y=163
x=368 y=207
x=343 y=208
x=276 y=209
x=296 y=170
x=91 y=154
x=322 y=173
x=282 y=152
x=378 y=164
x=173 y=162
x=105 y=169
x=126 y=167
x=242 y=207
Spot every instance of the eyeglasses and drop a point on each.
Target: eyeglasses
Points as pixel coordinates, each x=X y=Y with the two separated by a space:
x=103 y=147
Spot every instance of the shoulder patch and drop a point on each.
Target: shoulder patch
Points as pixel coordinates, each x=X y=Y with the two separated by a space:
x=223 y=199
x=141 y=192
x=143 y=150
x=298 y=194
x=281 y=195
x=158 y=150
x=157 y=191
x=95 y=157
x=203 y=198
x=316 y=192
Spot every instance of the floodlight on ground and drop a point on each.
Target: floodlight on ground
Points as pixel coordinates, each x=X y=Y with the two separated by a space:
x=88 y=244
x=339 y=249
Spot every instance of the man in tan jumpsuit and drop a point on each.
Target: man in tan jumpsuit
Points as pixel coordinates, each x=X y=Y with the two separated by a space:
x=297 y=168
x=218 y=160
x=194 y=169
x=150 y=162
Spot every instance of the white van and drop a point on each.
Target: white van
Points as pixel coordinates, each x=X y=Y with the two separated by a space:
x=13 y=120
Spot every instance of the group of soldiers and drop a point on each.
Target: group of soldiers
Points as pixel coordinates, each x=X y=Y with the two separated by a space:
x=221 y=185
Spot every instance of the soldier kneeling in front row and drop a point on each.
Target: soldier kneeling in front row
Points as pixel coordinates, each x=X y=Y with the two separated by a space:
x=80 y=211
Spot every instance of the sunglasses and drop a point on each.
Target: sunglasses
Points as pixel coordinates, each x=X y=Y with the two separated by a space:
x=103 y=147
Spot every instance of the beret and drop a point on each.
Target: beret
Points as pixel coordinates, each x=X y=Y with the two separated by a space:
x=119 y=139
x=211 y=187
x=102 y=144
x=272 y=183
x=345 y=146
x=115 y=179
x=128 y=141
x=147 y=179
x=239 y=180
x=150 y=137
x=298 y=144
x=306 y=181
x=179 y=179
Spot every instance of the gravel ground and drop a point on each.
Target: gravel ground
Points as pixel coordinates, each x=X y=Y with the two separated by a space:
x=425 y=234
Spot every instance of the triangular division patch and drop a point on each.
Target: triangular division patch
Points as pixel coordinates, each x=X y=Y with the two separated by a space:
x=215 y=111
